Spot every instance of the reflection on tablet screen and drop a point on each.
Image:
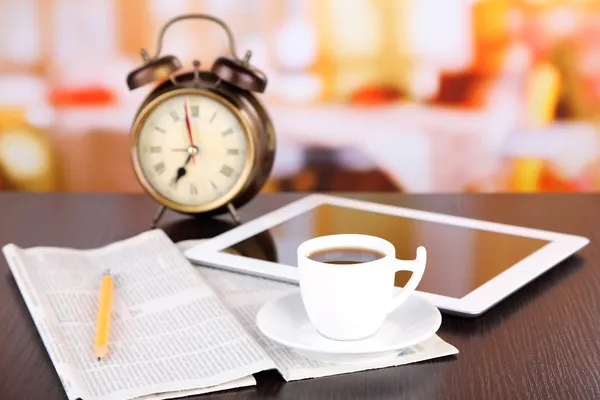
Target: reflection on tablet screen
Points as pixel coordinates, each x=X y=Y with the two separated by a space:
x=459 y=259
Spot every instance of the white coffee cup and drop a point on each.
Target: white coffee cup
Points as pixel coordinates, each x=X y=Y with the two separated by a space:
x=352 y=301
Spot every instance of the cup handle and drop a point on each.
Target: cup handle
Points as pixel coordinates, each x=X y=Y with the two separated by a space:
x=417 y=267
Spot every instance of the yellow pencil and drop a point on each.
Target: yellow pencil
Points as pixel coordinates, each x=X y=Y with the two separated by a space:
x=103 y=323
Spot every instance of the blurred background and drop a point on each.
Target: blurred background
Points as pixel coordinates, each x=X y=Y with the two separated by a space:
x=365 y=95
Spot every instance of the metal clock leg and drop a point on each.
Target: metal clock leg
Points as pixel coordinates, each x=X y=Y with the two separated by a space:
x=234 y=213
x=158 y=216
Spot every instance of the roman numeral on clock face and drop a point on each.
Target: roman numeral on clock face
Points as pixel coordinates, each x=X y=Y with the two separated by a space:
x=193 y=189
x=227 y=132
x=194 y=111
x=159 y=168
x=226 y=170
x=233 y=152
x=174 y=115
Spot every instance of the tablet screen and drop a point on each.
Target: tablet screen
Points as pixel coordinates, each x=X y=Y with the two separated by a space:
x=460 y=259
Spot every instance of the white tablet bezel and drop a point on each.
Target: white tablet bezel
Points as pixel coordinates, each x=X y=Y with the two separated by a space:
x=560 y=246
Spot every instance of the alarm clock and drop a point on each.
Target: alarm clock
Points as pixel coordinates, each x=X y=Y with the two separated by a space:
x=201 y=142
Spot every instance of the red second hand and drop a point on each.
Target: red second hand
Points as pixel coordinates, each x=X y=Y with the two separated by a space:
x=189 y=129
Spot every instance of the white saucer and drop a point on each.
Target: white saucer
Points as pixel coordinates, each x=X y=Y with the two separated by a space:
x=284 y=320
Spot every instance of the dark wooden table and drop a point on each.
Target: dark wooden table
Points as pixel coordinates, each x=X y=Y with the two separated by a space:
x=541 y=343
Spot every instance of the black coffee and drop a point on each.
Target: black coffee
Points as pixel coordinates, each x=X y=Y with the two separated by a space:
x=348 y=255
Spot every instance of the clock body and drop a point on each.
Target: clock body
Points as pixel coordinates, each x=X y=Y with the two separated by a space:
x=199 y=144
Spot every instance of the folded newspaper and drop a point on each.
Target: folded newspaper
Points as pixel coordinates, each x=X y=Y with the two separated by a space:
x=176 y=329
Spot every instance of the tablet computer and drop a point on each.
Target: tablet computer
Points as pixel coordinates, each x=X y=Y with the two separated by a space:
x=471 y=264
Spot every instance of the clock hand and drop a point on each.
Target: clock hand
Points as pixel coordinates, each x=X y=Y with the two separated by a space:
x=181 y=171
x=189 y=128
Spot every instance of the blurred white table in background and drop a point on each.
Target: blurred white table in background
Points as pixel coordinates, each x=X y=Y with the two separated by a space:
x=427 y=149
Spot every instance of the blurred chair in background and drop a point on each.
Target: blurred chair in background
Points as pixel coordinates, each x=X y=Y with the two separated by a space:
x=541 y=98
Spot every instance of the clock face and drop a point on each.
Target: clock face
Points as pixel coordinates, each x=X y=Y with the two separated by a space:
x=193 y=150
